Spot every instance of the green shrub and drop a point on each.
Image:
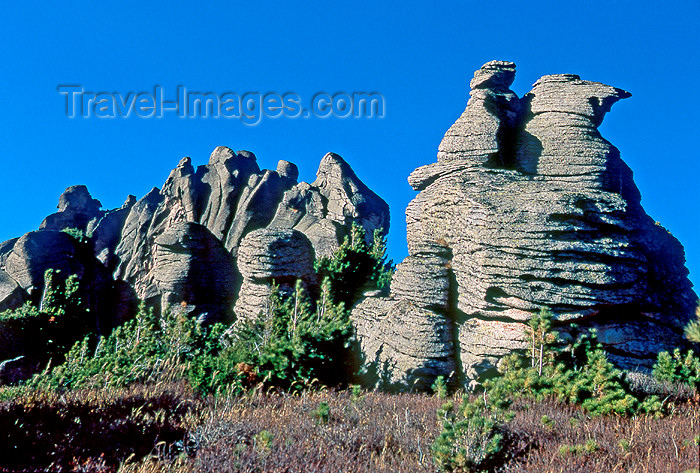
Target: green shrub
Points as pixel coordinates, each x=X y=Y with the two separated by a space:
x=289 y=346
x=678 y=368
x=144 y=349
x=546 y=421
x=440 y=387
x=355 y=266
x=579 y=373
x=46 y=332
x=471 y=436
x=590 y=446
x=294 y=343
x=76 y=234
x=322 y=414
x=263 y=440
x=356 y=393
x=541 y=338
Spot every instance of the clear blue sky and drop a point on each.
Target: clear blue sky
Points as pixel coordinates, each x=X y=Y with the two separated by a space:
x=419 y=55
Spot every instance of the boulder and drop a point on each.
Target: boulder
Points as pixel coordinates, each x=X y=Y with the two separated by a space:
x=193 y=269
x=273 y=256
x=326 y=209
x=37 y=251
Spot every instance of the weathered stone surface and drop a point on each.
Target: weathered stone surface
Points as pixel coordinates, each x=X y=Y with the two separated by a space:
x=177 y=246
x=106 y=232
x=527 y=207
x=5 y=249
x=485 y=132
x=402 y=343
x=273 y=255
x=192 y=268
x=134 y=250
x=223 y=180
x=287 y=169
x=38 y=251
x=325 y=210
x=76 y=208
x=232 y=197
x=256 y=205
x=12 y=295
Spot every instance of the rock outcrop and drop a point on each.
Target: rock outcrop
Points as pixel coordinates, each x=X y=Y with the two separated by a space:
x=76 y=209
x=273 y=256
x=38 y=251
x=179 y=245
x=12 y=295
x=232 y=197
x=193 y=269
x=528 y=206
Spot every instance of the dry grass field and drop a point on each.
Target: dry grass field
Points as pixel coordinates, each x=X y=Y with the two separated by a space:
x=167 y=428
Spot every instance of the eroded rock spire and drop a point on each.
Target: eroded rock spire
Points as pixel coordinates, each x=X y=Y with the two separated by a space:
x=527 y=206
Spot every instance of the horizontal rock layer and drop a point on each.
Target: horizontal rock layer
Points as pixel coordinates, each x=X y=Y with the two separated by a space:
x=528 y=206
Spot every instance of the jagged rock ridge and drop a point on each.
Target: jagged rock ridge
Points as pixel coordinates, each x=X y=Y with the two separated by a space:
x=527 y=206
x=179 y=245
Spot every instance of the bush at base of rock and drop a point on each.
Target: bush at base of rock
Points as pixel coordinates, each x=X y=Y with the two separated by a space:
x=471 y=437
x=43 y=334
x=474 y=437
x=356 y=265
x=678 y=368
x=146 y=349
x=288 y=346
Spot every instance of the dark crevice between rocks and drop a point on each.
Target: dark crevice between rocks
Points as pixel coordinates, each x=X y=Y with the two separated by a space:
x=597 y=257
x=562 y=282
x=493 y=318
x=509 y=114
x=454 y=318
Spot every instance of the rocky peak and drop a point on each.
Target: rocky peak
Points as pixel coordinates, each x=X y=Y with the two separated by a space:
x=76 y=208
x=78 y=199
x=348 y=199
x=485 y=132
x=288 y=170
x=182 y=245
x=498 y=75
x=221 y=154
x=567 y=93
x=161 y=247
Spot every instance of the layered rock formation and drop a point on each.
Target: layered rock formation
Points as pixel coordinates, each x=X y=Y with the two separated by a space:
x=191 y=267
x=528 y=206
x=273 y=256
x=231 y=197
x=179 y=245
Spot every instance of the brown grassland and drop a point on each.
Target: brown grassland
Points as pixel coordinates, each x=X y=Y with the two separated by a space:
x=167 y=428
